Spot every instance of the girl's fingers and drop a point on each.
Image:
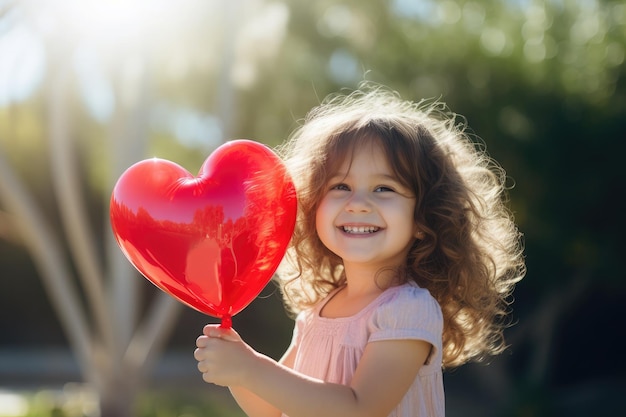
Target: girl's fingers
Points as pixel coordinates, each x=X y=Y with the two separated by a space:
x=213 y=330
x=202 y=341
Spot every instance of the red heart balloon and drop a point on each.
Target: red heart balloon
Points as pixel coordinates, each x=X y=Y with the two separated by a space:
x=212 y=241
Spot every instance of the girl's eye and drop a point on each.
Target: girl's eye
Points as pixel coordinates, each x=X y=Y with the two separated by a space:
x=341 y=187
x=383 y=188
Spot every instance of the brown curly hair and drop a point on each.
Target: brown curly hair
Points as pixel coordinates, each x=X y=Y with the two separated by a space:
x=471 y=254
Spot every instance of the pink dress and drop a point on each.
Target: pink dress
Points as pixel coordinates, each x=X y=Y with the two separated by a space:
x=330 y=348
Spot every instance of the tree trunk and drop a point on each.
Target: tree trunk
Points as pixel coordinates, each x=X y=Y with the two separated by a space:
x=118 y=397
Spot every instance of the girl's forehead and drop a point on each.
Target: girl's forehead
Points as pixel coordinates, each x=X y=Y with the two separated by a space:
x=370 y=150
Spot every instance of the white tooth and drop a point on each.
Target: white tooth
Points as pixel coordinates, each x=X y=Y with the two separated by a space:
x=360 y=229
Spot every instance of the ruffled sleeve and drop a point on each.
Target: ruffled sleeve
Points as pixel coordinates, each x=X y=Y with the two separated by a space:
x=409 y=313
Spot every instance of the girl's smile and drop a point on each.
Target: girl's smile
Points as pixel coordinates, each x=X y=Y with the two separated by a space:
x=366 y=216
x=360 y=230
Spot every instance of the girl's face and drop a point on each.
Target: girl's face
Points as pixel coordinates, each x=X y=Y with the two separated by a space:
x=366 y=215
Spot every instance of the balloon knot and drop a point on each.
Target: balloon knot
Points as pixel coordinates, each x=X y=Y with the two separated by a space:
x=226 y=323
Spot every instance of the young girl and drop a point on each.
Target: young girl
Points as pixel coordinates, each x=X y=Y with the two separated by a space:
x=401 y=265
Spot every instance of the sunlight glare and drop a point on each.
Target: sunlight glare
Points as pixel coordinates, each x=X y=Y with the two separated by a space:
x=23 y=64
x=12 y=404
x=109 y=23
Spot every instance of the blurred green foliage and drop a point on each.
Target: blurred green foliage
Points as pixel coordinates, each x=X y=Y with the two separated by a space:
x=75 y=402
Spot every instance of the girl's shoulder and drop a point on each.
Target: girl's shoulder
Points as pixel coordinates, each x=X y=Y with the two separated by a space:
x=396 y=304
x=407 y=306
x=406 y=294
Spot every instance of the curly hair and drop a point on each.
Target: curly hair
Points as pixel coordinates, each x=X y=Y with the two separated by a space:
x=471 y=254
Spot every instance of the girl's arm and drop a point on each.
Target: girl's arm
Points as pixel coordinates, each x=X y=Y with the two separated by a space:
x=254 y=406
x=382 y=377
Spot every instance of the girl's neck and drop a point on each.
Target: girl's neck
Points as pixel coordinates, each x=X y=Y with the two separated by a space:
x=367 y=281
x=348 y=302
x=362 y=287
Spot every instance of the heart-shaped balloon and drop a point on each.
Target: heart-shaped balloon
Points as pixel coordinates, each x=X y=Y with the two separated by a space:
x=212 y=241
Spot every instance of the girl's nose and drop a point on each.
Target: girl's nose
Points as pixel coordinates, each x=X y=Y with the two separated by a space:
x=358 y=202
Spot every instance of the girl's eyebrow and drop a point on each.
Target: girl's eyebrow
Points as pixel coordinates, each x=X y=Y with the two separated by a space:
x=388 y=177
x=381 y=176
x=335 y=177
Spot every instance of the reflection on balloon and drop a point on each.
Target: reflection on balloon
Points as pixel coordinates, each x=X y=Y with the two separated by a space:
x=212 y=241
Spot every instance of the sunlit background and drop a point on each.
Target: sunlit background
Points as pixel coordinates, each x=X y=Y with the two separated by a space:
x=89 y=87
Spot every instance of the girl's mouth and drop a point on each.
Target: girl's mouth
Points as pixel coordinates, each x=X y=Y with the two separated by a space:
x=360 y=229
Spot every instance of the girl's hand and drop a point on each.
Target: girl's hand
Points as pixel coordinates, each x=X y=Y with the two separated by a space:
x=223 y=357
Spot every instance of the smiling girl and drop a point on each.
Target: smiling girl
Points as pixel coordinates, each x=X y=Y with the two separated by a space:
x=401 y=265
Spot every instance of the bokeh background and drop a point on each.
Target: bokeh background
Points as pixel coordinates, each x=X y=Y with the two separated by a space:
x=88 y=87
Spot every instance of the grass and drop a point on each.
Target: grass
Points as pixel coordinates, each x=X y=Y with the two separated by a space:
x=76 y=401
x=178 y=404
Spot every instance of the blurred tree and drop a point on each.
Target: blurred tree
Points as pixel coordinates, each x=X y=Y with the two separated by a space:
x=94 y=64
x=113 y=349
